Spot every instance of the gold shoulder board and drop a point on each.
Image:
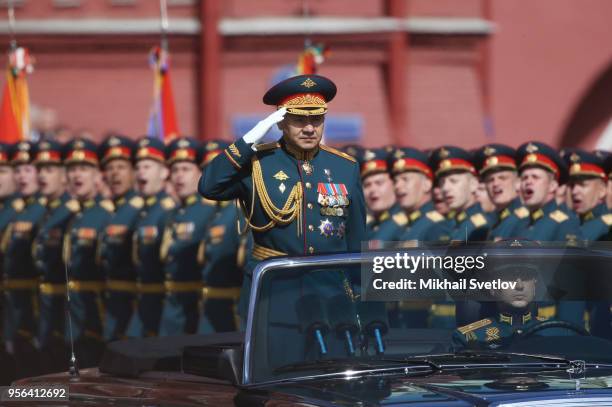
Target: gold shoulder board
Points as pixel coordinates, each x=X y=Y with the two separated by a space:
x=267 y=146
x=208 y=202
x=400 y=218
x=137 y=202
x=73 y=205
x=18 y=204
x=521 y=212
x=337 y=152
x=108 y=205
x=369 y=218
x=478 y=220
x=607 y=219
x=558 y=216
x=474 y=325
x=42 y=200
x=168 y=203
x=434 y=216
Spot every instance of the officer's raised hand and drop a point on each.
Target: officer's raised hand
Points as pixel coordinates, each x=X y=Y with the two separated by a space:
x=261 y=128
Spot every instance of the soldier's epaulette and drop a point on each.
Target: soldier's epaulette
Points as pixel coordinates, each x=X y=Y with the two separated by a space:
x=267 y=146
x=167 y=203
x=42 y=200
x=400 y=218
x=209 y=202
x=478 y=220
x=369 y=218
x=18 y=204
x=137 y=202
x=73 y=205
x=434 y=216
x=521 y=212
x=108 y=205
x=337 y=152
x=607 y=219
x=474 y=325
x=558 y=216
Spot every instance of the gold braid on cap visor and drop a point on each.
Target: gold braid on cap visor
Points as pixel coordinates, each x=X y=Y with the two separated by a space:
x=305 y=104
x=292 y=209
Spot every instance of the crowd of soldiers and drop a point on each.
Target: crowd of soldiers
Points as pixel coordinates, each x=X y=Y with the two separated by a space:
x=121 y=228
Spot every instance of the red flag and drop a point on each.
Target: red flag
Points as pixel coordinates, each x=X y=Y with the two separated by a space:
x=15 y=108
x=162 y=120
x=9 y=130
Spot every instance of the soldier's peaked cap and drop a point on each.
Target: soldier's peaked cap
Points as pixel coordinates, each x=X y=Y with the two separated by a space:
x=303 y=95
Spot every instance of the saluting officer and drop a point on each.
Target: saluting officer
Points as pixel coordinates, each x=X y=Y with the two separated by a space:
x=386 y=221
x=151 y=177
x=223 y=252
x=182 y=238
x=300 y=196
x=85 y=277
x=587 y=183
x=497 y=168
x=20 y=277
x=456 y=174
x=413 y=180
x=47 y=253
x=115 y=154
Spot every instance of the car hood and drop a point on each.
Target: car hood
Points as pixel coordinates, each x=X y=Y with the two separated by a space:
x=465 y=388
x=480 y=388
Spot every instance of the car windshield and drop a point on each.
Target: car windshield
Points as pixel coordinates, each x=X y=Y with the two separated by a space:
x=380 y=309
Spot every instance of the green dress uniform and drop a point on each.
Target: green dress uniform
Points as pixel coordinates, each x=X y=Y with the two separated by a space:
x=47 y=255
x=20 y=277
x=86 y=282
x=179 y=250
x=296 y=202
x=147 y=237
x=223 y=251
x=116 y=246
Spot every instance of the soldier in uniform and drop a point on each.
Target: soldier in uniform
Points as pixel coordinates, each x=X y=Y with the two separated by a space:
x=587 y=184
x=151 y=177
x=541 y=171
x=515 y=307
x=223 y=252
x=496 y=166
x=386 y=221
x=86 y=281
x=182 y=238
x=413 y=180
x=115 y=155
x=301 y=197
x=456 y=174
x=20 y=277
x=608 y=167
x=587 y=187
x=47 y=253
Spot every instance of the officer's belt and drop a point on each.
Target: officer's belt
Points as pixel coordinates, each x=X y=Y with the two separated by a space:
x=262 y=252
x=221 y=293
x=183 y=286
x=93 y=286
x=20 y=284
x=52 y=289
x=151 y=288
x=121 y=285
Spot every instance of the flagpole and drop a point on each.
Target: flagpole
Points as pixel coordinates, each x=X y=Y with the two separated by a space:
x=306 y=15
x=11 y=21
x=163 y=9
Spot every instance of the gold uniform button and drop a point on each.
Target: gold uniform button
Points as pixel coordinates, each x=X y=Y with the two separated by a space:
x=309 y=205
x=311 y=250
x=308 y=185
x=311 y=228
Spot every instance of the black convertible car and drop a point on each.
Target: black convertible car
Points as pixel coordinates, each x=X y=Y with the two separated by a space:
x=319 y=334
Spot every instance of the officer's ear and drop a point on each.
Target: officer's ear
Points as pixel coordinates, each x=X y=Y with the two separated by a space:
x=282 y=125
x=427 y=184
x=601 y=190
x=472 y=183
x=553 y=184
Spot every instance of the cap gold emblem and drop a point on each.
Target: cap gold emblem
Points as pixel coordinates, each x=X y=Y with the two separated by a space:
x=531 y=148
x=309 y=83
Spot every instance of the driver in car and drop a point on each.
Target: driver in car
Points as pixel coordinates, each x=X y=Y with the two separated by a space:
x=516 y=310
